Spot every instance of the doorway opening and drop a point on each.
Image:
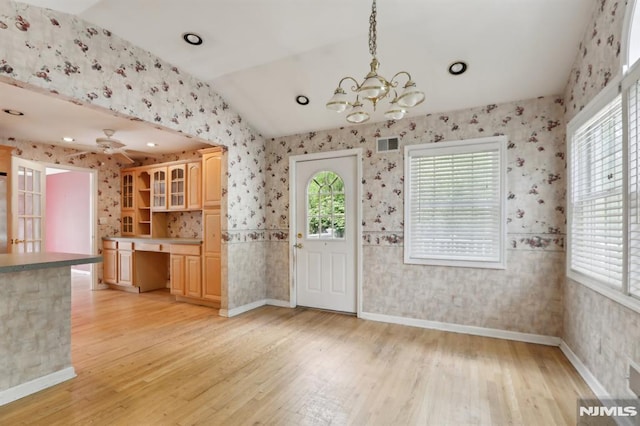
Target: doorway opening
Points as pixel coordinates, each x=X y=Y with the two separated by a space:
x=71 y=216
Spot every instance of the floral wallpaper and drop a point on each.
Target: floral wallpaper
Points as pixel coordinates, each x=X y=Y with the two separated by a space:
x=522 y=298
x=602 y=333
x=64 y=56
x=598 y=57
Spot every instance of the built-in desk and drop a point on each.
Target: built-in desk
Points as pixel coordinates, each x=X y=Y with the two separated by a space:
x=140 y=264
x=35 y=321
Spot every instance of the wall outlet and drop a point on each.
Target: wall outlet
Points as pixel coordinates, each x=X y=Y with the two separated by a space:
x=102 y=221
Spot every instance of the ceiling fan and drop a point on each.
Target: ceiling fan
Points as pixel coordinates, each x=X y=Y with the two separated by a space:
x=109 y=146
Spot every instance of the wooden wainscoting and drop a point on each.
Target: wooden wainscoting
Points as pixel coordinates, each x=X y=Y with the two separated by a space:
x=143 y=359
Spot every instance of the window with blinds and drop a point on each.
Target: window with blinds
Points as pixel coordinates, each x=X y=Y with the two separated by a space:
x=454 y=203
x=634 y=188
x=597 y=199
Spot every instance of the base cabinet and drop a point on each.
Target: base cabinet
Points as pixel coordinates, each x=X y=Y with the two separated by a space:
x=110 y=263
x=212 y=278
x=125 y=267
x=117 y=264
x=186 y=270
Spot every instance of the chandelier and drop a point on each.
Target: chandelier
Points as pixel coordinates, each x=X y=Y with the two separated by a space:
x=375 y=88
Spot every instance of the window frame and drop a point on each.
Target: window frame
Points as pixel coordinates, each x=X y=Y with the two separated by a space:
x=619 y=86
x=498 y=143
x=600 y=102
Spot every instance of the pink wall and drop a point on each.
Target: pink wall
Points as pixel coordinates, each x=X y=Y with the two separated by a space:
x=68 y=220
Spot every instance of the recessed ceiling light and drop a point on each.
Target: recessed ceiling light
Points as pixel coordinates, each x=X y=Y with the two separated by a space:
x=13 y=112
x=68 y=139
x=192 y=38
x=457 y=68
x=151 y=144
x=302 y=100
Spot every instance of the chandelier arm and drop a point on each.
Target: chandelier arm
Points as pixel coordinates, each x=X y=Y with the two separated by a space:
x=398 y=74
x=354 y=88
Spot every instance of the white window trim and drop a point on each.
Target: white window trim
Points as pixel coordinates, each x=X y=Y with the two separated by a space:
x=495 y=141
x=603 y=98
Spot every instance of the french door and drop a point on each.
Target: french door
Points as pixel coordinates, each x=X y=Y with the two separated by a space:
x=28 y=188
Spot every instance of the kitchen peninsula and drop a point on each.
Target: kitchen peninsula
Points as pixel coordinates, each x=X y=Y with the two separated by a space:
x=35 y=321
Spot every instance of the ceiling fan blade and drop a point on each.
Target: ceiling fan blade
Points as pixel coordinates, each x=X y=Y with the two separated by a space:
x=76 y=154
x=140 y=154
x=126 y=159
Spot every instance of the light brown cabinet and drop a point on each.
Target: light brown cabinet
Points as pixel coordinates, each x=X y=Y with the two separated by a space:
x=159 y=188
x=110 y=262
x=127 y=203
x=177 y=197
x=126 y=223
x=194 y=186
x=212 y=250
x=212 y=225
x=127 y=188
x=186 y=270
x=117 y=263
x=125 y=264
x=211 y=172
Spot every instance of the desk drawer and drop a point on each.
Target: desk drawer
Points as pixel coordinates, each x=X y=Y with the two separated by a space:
x=186 y=249
x=148 y=247
x=125 y=245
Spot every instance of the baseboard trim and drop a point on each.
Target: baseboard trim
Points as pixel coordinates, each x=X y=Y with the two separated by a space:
x=242 y=309
x=584 y=372
x=36 y=385
x=464 y=329
x=279 y=303
x=250 y=306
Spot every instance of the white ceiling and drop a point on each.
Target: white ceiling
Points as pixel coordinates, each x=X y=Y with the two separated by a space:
x=48 y=119
x=260 y=54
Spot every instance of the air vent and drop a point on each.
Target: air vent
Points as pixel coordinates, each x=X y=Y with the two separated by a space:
x=391 y=144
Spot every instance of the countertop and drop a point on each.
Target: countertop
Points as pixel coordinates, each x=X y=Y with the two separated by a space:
x=16 y=262
x=155 y=240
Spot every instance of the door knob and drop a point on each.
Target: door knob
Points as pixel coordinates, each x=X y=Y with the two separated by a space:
x=298 y=245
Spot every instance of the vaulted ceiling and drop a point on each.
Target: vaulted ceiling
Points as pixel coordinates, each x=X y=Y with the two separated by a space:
x=259 y=55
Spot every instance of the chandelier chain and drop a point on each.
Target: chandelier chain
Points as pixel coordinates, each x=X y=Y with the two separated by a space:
x=372 y=30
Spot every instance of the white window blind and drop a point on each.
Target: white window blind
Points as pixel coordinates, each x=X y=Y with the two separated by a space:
x=597 y=215
x=454 y=212
x=634 y=188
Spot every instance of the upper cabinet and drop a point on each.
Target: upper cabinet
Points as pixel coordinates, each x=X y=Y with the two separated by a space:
x=127 y=190
x=177 y=197
x=159 y=188
x=150 y=192
x=194 y=186
x=212 y=188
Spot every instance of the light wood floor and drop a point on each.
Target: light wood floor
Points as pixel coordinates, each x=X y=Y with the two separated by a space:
x=145 y=360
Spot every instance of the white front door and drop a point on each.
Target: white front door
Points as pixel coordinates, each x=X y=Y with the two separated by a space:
x=325 y=234
x=28 y=182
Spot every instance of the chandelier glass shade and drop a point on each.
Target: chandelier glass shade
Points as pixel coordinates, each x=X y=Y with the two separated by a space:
x=374 y=88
